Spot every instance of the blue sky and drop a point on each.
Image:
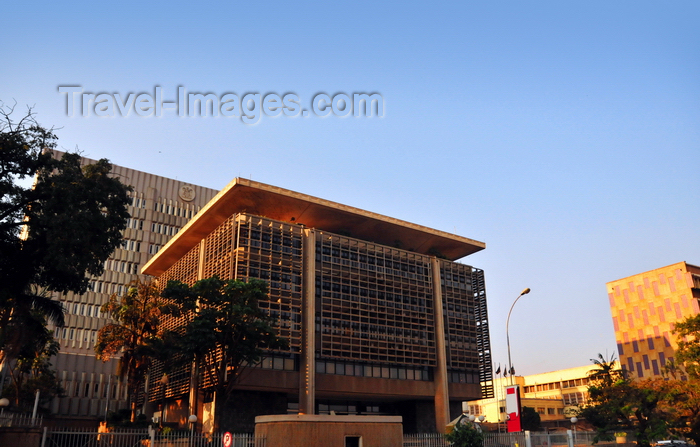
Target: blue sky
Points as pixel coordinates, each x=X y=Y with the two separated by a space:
x=564 y=135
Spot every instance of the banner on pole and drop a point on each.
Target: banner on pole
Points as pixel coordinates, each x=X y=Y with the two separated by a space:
x=513 y=408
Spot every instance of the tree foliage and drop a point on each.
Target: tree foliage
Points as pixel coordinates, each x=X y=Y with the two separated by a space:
x=224 y=328
x=618 y=404
x=466 y=435
x=32 y=369
x=70 y=222
x=530 y=419
x=683 y=396
x=688 y=353
x=135 y=319
x=682 y=405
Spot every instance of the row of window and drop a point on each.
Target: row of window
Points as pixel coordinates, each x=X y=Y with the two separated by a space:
x=136 y=224
x=173 y=209
x=79 y=335
x=463 y=377
x=85 y=310
x=550 y=411
x=121 y=266
x=279 y=363
x=104 y=287
x=364 y=370
x=95 y=390
x=339 y=408
x=574 y=398
x=138 y=202
x=128 y=244
x=556 y=385
x=167 y=230
x=475 y=409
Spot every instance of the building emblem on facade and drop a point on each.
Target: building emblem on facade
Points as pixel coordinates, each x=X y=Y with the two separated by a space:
x=186 y=193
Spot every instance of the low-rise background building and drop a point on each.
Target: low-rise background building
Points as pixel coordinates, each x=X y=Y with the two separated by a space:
x=553 y=395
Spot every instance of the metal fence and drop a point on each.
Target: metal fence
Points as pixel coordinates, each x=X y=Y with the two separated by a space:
x=425 y=440
x=92 y=438
x=520 y=439
x=504 y=439
x=142 y=438
x=20 y=420
x=153 y=438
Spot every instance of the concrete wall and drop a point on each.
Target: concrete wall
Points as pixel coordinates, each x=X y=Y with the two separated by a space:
x=329 y=431
x=20 y=437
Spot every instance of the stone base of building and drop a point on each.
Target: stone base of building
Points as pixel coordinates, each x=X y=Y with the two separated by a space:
x=330 y=431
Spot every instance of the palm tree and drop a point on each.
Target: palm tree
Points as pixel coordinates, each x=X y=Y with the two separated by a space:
x=22 y=314
x=135 y=315
x=607 y=372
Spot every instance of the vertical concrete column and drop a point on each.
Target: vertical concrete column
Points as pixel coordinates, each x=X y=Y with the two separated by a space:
x=194 y=376
x=200 y=261
x=307 y=368
x=442 y=398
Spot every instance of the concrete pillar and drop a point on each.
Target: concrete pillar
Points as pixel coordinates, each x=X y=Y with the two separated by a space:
x=307 y=369
x=442 y=398
x=193 y=398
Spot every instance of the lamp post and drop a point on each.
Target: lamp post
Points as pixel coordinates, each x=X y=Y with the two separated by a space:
x=192 y=420
x=510 y=364
x=574 y=420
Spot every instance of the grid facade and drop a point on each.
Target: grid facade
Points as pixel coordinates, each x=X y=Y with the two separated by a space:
x=374 y=303
x=184 y=270
x=466 y=325
x=272 y=251
x=218 y=250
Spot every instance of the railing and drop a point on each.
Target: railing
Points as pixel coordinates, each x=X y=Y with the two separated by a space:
x=504 y=439
x=20 y=420
x=425 y=440
x=152 y=438
x=519 y=439
x=189 y=439
x=71 y=437
x=143 y=438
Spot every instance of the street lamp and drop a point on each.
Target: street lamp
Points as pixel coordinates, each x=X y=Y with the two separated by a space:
x=574 y=420
x=192 y=420
x=510 y=364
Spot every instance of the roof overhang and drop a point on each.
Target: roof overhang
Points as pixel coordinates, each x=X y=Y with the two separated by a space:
x=247 y=196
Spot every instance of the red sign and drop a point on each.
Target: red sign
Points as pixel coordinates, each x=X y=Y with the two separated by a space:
x=227 y=439
x=513 y=408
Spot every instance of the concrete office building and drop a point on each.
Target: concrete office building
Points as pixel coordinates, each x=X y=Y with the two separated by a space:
x=645 y=308
x=555 y=395
x=159 y=208
x=379 y=318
